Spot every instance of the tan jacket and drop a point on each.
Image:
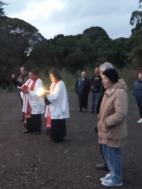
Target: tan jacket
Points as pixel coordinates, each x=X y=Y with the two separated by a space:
x=112 y=126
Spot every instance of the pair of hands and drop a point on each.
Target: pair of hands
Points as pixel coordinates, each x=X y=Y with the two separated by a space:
x=42 y=92
x=24 y=89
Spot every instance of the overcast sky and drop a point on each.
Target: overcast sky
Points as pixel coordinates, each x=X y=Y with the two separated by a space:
x=71 y=17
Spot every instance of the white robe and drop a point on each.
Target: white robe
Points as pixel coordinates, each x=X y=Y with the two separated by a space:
x=36 y=102
x=59 y=108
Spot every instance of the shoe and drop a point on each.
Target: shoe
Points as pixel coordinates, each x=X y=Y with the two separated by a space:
x=26 y=132
x=37 y=133
x=92 y=112
x=110 y=183
x=102 y=166
x=47 y=132
x=140 y=120
x=108 y=176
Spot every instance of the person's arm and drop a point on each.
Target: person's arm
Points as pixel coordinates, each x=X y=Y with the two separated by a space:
x=76 y=86
x=120 y=109
x=54 y=96
x=46 y=101
x=38 y=85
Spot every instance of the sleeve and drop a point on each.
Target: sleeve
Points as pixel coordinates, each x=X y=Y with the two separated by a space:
x=57 y=91
x=46 y=101
x=38 y=85
x=120 y=107
x=76 y=86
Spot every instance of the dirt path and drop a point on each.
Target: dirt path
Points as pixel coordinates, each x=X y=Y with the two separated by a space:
x=35 y=162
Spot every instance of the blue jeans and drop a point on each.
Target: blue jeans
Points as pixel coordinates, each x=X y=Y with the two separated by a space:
x=95 y=99
x=114 y=162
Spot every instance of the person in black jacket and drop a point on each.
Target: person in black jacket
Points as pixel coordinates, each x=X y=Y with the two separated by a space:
x=96 y=87
x=82 y=88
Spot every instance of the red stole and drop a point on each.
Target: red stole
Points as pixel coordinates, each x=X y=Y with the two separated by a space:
x=48 y=118
x=31 y=88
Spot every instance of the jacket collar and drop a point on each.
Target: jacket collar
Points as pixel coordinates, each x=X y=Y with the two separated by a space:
x=110 y=91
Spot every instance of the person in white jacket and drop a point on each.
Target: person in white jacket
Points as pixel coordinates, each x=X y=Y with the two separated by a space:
x=33 y=105
x=57 y=109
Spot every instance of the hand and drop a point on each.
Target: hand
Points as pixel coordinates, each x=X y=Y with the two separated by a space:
x=25 y=89
x=41 y=92
x=99 y=123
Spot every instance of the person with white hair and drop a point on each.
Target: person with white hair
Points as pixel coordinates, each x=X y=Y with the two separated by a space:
x=82 y=88
x=105 y=66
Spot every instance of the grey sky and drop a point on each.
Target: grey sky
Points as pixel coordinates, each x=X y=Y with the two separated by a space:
x=70 y=17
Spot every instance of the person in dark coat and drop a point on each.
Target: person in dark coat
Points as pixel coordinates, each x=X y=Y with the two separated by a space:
x=137 y=92
x=82 y=88
x=96 y=87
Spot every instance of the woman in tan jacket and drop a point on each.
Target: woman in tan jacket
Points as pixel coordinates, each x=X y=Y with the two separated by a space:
x=112 y=128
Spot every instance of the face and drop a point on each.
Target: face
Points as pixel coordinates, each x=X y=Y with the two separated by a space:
x=52 y=77
x=32 y=76
x=140 y=76
x=96 y=71
x=83 y=74
x=106 y=82
x=22 y=69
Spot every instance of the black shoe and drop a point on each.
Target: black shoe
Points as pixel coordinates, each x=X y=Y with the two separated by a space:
x=26 y=132
x=102 y=166
x=92 y=112
x=37 y=132
x=47 y=132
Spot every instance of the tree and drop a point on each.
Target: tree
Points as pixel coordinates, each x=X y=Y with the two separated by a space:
x=2 y=12
x=136 y=17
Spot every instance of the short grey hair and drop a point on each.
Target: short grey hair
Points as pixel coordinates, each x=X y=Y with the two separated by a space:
x=105 y=66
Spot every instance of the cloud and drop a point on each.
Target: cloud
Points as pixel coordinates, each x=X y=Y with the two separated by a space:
x=71 y=17
x=39 y=10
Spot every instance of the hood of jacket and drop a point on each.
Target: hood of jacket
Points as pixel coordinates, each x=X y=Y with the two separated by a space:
x=121 y=84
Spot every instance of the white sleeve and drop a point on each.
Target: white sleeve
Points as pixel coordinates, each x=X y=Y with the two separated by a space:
x=57 y=91
x=38 y=85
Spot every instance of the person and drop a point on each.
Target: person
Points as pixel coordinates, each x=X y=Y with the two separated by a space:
x=22 y=77
x=33 y=105
x=14 y=81
x=102 y=68
x=82 y=88
x=95 y=87
x=57 y=108
x=137 y=92
x=112 y=127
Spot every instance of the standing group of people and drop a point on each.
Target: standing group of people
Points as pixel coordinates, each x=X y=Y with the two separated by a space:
x=84 y=85
x=53 y=103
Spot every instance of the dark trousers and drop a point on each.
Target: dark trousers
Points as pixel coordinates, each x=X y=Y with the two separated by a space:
x=58 y=130
x=95 y=99
x=33 y=124
x=83 y=101
x=139 y=103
